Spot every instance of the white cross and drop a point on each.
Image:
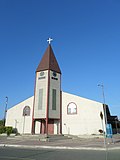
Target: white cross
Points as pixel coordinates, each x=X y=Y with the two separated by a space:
x=49 y=40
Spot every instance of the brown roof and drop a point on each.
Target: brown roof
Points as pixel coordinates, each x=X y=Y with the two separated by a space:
x=48 y=61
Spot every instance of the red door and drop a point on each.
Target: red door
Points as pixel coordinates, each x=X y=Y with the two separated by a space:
x=42 y=130
x=51 y=126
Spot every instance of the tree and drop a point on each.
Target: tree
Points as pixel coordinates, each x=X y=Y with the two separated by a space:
x=2 y=122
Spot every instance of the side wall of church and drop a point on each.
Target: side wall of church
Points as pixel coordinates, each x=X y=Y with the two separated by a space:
x=84 y=119
x=17 y=119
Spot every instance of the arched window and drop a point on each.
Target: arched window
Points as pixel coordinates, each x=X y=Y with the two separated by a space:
x=72 y=108
x=26 y=111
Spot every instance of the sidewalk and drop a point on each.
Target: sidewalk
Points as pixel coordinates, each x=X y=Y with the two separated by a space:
x=60 y=142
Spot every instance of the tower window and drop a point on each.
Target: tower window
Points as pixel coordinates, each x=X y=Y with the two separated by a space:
x=54 y=99
x=40 y=99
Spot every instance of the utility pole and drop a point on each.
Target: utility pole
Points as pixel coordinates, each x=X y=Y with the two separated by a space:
x=105 y=118
x=6 y=103
x=104 y=106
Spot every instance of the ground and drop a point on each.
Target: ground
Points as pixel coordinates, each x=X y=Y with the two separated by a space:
x=53 y=154
x=35 y=147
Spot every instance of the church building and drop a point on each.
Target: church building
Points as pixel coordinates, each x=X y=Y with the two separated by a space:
x=52 y=111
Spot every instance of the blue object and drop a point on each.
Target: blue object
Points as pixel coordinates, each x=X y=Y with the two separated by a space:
x=109 y=131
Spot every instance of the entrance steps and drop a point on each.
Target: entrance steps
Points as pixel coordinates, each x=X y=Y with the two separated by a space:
x=52 y=138
x=40 y=137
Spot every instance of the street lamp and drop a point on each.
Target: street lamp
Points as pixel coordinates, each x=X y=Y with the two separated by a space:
x=102 y=86
x=104 y=105
x=105 y=115
x=5 y=109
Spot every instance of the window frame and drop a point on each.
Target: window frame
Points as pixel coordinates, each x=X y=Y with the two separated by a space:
x=40 y=99
x=54 y=98
x=28 y=111
x=69 y=112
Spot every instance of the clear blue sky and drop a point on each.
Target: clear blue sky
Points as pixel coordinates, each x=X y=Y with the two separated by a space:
x=86 y=43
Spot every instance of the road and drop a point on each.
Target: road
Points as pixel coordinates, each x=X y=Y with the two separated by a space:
x=52 y=154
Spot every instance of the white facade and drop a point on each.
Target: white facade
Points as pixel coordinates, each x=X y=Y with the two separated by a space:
x=85 y=120
x=51 y=111
x=16 y=119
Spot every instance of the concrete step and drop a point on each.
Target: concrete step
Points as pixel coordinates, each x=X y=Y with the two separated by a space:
x=40 y=137
x=57 y=137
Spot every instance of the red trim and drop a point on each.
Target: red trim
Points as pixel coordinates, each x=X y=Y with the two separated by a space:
x=47 y=108
x=60 y=107
x=33 y=122
x=40 y=126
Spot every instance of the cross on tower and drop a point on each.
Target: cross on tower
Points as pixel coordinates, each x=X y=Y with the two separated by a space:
x=49 y=40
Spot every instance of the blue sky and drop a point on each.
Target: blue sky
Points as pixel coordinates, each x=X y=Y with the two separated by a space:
x=86 y=43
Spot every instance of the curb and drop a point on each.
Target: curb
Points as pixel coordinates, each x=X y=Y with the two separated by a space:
x=50 y=147
x=57 y=147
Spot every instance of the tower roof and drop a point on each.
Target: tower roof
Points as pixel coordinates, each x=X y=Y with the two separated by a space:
x=48 y=61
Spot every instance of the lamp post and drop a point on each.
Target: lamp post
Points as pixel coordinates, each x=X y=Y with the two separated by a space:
x=104 y=106
x=101 y=116
x=105 y=117
x=6 y=103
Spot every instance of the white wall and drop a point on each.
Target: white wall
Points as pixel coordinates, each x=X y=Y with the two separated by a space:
x=86 y=121
x=16 y=119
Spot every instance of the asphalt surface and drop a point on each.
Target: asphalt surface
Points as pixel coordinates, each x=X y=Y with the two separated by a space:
x=7 y=153
x=35 y=147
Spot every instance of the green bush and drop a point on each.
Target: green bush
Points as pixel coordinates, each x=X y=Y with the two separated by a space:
x=1 y=122
x=2 y=129
x=9 y=130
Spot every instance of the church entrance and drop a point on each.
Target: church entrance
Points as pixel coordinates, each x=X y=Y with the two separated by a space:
x=50 y=126
x=40 y=126
x=43 y=127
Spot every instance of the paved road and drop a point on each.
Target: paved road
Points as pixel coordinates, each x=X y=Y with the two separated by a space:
x=52 y=154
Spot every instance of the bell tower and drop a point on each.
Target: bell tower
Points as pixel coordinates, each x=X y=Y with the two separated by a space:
x=47 y=95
